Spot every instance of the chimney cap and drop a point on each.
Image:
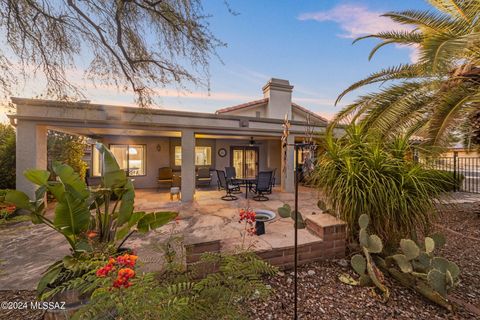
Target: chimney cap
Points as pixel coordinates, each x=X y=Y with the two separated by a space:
x=277 y=84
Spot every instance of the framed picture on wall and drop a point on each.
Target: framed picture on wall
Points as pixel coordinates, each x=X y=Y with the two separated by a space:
x=222 y=152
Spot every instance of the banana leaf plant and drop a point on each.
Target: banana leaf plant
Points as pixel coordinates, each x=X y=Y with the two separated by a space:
x=91 y=220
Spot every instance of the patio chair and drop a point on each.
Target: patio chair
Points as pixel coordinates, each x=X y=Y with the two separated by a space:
x=272 y=182
x=231 y=174
x=204 y=177
x=165 y=176
x=263 y=185
x=226 y=185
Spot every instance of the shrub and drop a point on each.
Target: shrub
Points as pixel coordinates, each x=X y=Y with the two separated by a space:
x=67 y=149
x=219 y=295
x=7 y=157
x=360 y=174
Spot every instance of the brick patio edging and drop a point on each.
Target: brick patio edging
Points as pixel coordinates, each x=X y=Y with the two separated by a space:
x=331 y=244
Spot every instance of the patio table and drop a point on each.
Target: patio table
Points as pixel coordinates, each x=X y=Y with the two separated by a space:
x=248 y=184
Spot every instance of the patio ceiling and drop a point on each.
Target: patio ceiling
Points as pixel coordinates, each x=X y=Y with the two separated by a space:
x=91 y=132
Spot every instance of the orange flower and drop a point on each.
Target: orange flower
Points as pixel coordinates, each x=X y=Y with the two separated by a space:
x=91 y=234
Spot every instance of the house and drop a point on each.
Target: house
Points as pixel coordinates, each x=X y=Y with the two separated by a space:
x=247 y=136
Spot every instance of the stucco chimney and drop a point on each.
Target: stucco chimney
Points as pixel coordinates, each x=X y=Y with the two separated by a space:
x=279 y=94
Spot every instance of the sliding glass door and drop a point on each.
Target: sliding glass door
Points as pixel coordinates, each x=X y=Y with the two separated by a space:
x=245 y=161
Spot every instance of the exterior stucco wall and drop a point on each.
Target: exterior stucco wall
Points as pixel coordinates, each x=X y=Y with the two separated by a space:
x=250 y=112
x=154 y=158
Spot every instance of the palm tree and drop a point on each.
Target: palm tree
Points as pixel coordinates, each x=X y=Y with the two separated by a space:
x=438 y=93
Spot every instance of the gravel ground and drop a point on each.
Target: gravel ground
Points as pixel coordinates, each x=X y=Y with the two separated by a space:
x=323 y=296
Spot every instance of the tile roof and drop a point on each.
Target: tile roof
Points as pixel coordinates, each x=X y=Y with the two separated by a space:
x=264 y=101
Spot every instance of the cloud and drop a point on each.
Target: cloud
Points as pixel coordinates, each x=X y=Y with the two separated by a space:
x=357 y=21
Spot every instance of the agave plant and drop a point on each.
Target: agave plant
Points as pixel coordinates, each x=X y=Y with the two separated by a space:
x=440 y=91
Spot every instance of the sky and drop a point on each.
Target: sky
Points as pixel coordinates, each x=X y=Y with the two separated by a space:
x=307 y=42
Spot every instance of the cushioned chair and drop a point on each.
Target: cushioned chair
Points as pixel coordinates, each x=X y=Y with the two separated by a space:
x=225 y=184
x=263 y=186
x=204 y=178
x=165 y=176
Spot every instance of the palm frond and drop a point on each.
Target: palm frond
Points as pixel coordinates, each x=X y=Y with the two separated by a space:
x=402 y=71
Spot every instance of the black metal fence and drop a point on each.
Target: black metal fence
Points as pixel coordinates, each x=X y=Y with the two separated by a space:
x=465 y=170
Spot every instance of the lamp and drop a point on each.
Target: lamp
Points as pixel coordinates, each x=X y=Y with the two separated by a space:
x=132 y=151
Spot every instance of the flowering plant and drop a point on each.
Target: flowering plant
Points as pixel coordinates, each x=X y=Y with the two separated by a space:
x=248 y=215
x=125 y=265
x=6 y=211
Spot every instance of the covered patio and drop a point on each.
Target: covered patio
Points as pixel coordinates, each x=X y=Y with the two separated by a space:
x=144 y=141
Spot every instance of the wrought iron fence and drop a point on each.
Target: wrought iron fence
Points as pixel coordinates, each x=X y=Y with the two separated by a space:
x=465 y=170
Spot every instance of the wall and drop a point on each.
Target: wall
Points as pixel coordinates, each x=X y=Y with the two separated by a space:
x=250 y=112
x=269 y=155
x=155 y=159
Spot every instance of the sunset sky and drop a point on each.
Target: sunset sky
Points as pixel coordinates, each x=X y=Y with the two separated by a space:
x=307 y=42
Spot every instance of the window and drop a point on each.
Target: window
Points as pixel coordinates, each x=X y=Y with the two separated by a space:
x=130 y=158
x=203 y=156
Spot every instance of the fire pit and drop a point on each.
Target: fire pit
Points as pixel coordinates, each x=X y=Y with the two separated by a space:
x=262 y=216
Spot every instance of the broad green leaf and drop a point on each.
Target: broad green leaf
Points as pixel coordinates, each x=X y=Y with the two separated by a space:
x=19 y=199
x=68 y=176
x=56 y=189
x=39 y=177
x=151 y=221
x=113 y=176
x=49 y=277
x=83 y=246
x=72 y=215
x=126 y=206
x=125 y=229
x=40 y=193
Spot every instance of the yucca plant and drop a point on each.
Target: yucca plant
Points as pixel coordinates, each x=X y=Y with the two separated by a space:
x=436 y=94
x=359 y=174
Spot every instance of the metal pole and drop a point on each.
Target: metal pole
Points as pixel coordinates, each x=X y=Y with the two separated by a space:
x=296 y=232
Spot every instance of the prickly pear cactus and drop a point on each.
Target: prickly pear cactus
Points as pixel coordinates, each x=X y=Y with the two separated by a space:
x=363 y=265
x=440 y=274
x=286 y=211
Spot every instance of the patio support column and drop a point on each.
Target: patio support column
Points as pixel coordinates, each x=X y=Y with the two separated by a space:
x=188 y=165
x=31 y=153
x=287 y=180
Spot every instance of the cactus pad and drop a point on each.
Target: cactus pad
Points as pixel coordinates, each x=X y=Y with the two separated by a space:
x=284 y=211
x=363 y=221
x=359 y=264
x=403 y=263
x=437 y=280
x=429 y=245
x=409 y=248
x=375 y=244
x=439 y=240
x=363 y=237
x=321 y=205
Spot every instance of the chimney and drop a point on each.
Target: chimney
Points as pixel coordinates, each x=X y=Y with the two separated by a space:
x=279 y=94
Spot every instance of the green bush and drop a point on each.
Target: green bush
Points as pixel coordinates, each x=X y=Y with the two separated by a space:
x=67 y=149
x=360 y=174
x=7 y=157
x=219 y=295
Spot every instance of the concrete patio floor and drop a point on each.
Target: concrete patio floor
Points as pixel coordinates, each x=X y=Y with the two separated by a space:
x=27 y=249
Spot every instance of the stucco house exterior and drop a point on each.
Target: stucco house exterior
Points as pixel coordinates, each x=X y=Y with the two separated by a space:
x=247 y=136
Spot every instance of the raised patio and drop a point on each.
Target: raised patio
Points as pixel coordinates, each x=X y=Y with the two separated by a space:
x=206 y=224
